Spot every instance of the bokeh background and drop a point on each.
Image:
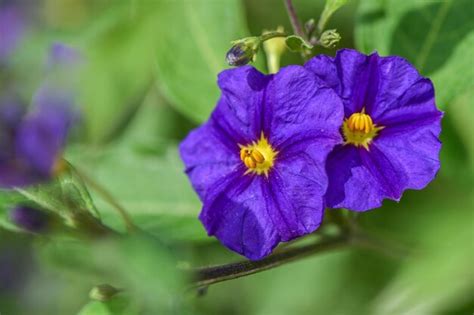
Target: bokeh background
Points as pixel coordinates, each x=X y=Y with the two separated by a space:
x=148 y=78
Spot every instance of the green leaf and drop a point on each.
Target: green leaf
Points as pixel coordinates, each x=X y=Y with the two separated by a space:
x=153 y=189
x=95 y=308
x=329 y=9
x=297 y=44
x=438 y=38
x=425 y=32
x=192 y=53
x=117 y=306
x=438 y=276
x=456 y=76
x=119 y=68
x=63 y=195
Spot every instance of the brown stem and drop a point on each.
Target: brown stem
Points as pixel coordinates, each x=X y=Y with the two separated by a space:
x=209 y=275
x=295 y=22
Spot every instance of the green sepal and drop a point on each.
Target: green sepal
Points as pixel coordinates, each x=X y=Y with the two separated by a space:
x=297 y=44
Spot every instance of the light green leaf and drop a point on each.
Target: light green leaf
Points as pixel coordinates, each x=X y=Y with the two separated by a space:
x=297 y=44
x=456 y=76
x=153 y=189
x=95 y=308
x=192 y=53
x=118 y=72
x=438 y=277
x=329 y=9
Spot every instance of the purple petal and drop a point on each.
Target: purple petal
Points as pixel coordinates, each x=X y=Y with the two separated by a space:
x=236 y=213
x=298 y=103
x=361 y=179
x=239 y=110
x=396 y=77
x=43 y=133
x=350 y=74
x=416 y=152
x=297 y=187
x=11 y=30
x=251 y=214
x=209 y=158
x=353 y=184
x=412 y=110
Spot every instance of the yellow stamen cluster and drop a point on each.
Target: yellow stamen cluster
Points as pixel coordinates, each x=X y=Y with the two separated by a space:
x=360 y=130
x=258 y=156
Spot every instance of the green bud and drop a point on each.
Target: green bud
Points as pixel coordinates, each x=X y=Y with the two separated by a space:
x=329 y=38
x=243 y=51
x=103 y=292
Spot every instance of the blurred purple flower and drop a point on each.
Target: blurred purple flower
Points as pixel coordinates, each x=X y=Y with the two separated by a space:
x=258 y=163
x=63 y=56
x=32 y=143
x=391 y=129
x=12 y=28
x=29 y=218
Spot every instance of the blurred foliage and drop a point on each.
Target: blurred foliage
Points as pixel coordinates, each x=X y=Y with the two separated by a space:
x=149 y=78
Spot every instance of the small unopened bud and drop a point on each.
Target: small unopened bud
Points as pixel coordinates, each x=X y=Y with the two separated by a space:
x=243 y=51
x=29 y=218
x=103 y=292
x=329 y=38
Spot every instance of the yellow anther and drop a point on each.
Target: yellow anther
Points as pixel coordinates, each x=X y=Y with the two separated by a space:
x=359 y=129
x=250 y=162
x=258 y=156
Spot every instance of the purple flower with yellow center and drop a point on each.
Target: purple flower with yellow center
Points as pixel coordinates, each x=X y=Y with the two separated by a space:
x=391 y=129
x=258 y=163
x=32 y=143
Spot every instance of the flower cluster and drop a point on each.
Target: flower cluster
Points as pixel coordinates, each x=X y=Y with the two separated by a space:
x=347 y=132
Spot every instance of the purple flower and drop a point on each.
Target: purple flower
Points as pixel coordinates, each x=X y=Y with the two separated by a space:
x=32 y=143
x=391 y=129
x=258 y=162
x=30 y=219
x=63 y=56
x=11 y=29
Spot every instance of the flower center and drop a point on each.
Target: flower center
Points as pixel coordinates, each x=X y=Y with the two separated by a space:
x=359 y=130
x=258 y=156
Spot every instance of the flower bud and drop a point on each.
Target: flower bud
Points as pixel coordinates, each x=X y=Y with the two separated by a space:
x=329 y=38
x=243 y=51
x=30 y=219
x=103 y=292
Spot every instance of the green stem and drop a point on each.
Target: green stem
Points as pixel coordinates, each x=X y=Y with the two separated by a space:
x=107 y=196
x=271 y=35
